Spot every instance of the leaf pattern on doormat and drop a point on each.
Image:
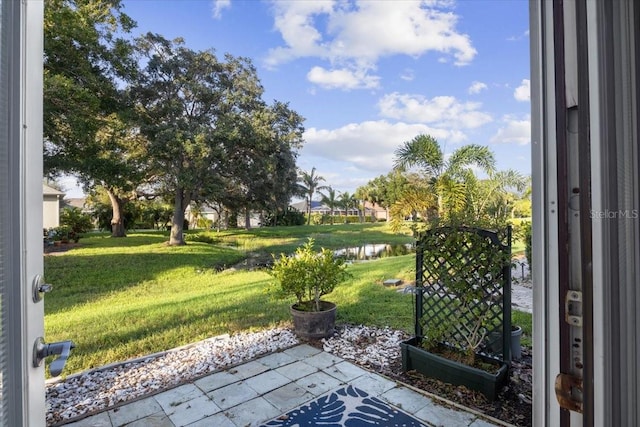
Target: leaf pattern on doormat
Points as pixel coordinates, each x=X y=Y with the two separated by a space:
x=348 y=406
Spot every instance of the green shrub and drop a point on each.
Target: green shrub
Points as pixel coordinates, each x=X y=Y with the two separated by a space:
x=288 y=218
x=308 y=275
x=77 y=221
x=201 y=237
x=526 y=228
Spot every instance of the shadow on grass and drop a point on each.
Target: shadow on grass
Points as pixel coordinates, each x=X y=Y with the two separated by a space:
x=80 y=279
x=149 y=331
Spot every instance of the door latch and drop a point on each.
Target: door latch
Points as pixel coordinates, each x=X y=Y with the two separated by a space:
x=42 y=350
x=39 y=288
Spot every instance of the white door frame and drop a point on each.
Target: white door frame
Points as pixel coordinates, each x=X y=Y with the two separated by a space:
x=23 y=391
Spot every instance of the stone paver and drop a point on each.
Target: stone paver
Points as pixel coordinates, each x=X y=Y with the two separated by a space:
x=322 y=360
x=99 y=420
x=260 y=390
x=278 y=359
x=444 y=417
x=405 y=399
x=296 y=370
x=288 y=397
x=252 y=412
x=302 y=351
x=155 y=420
x=134 y=411
x=217 y=420
x=193 y=410
x=267 y=381
x=232 y=395
x=170 y=399
x=248 y=370
x=373 y=384
x=345 y=371
x=318 y=383
x=215 y=381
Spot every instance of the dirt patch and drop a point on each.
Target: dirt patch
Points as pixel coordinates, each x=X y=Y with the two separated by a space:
x=59 y=249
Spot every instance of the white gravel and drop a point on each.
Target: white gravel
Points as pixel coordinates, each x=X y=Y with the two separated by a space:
x=99 y=389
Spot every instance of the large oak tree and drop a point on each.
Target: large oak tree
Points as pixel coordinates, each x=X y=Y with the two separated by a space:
x=210 y=136
x=87 y=127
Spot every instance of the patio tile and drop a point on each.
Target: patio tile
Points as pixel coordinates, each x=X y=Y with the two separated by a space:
x=444 y=417
x=155 y=420
x=479 y=422
x=345 y=371
x=302 y=351
x=134 y=411
x=296 y=370
x=248 y=369
x=214 y=381
x=170 y=399
x=322 y=360
x=216 y=420
x=405 y=399
x=232 y=395
x=318 y=383
x=277 y=360
x=252 y=413
x=288 y=397
x=373 y=384
x=99 y=420
x=193 y=410
x=267 y=381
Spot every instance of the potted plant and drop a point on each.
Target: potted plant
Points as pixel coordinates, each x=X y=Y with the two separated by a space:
x=462 y=309
x=309 y=275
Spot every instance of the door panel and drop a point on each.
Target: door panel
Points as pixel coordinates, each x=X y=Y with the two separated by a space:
x=22 y=319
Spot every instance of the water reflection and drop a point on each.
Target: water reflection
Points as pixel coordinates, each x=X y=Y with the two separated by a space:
x=373 y=251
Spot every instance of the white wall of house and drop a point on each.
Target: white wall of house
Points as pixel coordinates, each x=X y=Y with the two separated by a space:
x=51 y=200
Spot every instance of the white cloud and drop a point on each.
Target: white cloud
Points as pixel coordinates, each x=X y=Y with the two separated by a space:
x=369 y=145
x=521 y=36
x=442 y=111
x=219 y=6
x=523 y=92
x=477 y=87
x=342 y=79
x=408 y=75
x=514 y=131
x=357 y=34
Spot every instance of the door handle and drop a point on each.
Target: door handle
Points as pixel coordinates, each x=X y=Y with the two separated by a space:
x=42 y=350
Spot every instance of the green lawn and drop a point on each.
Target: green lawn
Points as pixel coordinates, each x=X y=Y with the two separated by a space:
x=122 y=298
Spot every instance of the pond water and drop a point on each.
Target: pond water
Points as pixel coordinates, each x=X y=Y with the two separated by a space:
x=374 y=251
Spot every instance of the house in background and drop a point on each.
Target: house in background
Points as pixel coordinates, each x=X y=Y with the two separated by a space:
x=51 y=201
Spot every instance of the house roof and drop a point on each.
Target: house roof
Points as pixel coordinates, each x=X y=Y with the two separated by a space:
x=50 y=191
x=76 y=202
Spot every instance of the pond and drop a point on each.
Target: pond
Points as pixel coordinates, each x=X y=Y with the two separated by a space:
x=374 y=251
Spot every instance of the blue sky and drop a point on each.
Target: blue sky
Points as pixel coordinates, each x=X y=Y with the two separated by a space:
x=368 y=75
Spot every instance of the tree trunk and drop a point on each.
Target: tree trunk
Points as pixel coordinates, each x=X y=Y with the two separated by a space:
x=309 y=211
x=176 y=237
x=247 y=219
x=117 y=222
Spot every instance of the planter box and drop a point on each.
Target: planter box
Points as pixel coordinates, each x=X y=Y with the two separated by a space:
x=450 y=371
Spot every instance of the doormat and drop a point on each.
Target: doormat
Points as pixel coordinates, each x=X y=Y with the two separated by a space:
x=349 y=407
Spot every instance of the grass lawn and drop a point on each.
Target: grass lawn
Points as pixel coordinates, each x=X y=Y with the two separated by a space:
x=122 y=298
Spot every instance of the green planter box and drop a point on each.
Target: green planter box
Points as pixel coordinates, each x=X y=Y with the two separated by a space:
x=452 y=372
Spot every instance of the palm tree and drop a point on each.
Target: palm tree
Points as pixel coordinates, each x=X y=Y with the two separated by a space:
x=347 y=201
x=331 y=200
x=447 y=177
x=309 y=184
